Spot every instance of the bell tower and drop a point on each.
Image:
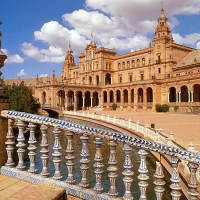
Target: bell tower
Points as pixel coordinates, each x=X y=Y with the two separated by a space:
x=69 y=62
x=162 y=32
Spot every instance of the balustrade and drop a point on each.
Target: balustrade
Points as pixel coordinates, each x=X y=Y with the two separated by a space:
x=113 y=138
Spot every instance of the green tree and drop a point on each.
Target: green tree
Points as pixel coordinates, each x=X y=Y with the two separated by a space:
x=21 y=98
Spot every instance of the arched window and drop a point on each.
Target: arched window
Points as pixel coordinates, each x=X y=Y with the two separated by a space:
x=128 y=64
x=123 y=65
x=119 y=65
x=143 y=61
x=133 y=63
x=138 y=62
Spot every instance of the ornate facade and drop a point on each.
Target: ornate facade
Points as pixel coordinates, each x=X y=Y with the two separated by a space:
x=164 y=72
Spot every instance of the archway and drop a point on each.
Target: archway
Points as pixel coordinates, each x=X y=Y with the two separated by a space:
x=44 y=98
x=196 y=95
x=97 y=79
x=184 y=94
x=95 y=99
x=87 y=99
x=79 y=99
x=149 y=95
x=105 y=97
x=125 y=96
x=61 y=98
x=172 y=94
x=70 y=100
x=118 y=94
x=140 y=95
x=111 y=96
x=108 y=79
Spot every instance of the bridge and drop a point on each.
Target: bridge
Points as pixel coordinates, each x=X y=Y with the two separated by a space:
x=53 y=111
x=81 y=190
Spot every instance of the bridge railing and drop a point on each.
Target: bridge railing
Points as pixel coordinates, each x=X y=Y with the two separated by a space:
x=114 y=138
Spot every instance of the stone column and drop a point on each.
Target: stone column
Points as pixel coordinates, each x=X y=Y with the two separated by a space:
x=129 y=100
x=168 y=97
x=91 y=101
x=121 y=100
x=111 y=80
x=83 y=108
x=99 y=101
x=188 y=96
x=4 y=105
x=75 y=103
x=192 y=95
x=66 y=102
x=176 y=96
x=179 y=95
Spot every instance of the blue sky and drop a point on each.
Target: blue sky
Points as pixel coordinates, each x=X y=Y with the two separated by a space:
x=36 y=34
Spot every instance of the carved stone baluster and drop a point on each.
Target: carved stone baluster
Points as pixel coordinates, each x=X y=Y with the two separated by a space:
x=128 y=173
x=21 y=145
x=98 y=165
x=56 y=154
x=44 y=151
x=70 y=158
x=159 y=182
x=192 y=184
x=112 y=169
x=175 y=180
x=10 y=143
x=32 y=148
x=142 y=176
x=84 y=161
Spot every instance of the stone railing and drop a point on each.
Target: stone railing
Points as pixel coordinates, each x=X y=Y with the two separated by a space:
x=155 y=135
x=81 y=190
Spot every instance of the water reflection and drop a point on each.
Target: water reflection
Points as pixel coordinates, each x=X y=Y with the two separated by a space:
x=151 y=165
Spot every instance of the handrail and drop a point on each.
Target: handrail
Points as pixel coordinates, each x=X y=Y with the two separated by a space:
x=113 y=137
x=116 y=136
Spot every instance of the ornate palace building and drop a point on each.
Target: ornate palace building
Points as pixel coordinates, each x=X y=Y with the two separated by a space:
x=163 y=73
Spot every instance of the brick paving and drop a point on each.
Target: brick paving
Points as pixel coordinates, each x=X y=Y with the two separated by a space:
x=15 y=189
x=185 y=127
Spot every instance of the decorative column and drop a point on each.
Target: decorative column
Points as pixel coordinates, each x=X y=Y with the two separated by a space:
x=75 y=102
x=129 y=100
x=83 y=108
x=159 y=182
x=98 y=165
x=32 y=148
x=91 y=101
x=192 y=184
x=192 y=96
x=99 y=101
x=168 y=97
x=176 y=96
x=188 y=96
x=179 y=94
x=111 y=80
x=56 y=154
x=70 y=158
x=175 y=193
x=128 y=173
x=10 y=143
x=143 y=177
x=66 y=101
x=21 y=145
x=122 y=100
x=44 y=151
x=84 y=161
x=112 y=169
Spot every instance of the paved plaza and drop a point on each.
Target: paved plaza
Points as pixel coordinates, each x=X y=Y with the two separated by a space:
x=185 y=127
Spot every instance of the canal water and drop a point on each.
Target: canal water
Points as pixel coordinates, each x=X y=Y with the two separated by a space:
x=151 y=165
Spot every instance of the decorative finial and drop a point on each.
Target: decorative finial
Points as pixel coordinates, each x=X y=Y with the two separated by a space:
x=162 y=4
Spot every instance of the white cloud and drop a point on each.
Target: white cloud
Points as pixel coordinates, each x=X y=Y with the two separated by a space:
x=21 y=73
x=198 y=45
x=52 y=54
x=43 y=75
x=14 y=58
x=123 y=26
x=188 y=39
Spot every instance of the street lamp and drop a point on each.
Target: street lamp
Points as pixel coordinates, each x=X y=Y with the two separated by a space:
x=3 y=57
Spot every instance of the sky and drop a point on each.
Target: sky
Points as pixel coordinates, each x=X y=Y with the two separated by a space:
x=36 y=33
